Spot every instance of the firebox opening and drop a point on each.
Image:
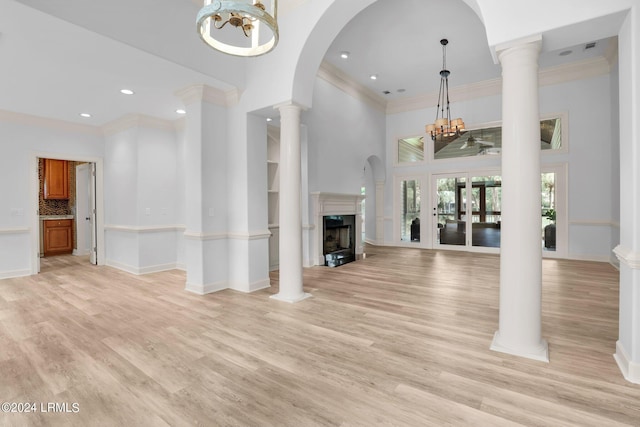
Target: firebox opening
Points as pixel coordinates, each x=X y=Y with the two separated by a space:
x=339 y=239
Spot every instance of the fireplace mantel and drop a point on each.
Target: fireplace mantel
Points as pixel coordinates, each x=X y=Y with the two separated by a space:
x=334 y=204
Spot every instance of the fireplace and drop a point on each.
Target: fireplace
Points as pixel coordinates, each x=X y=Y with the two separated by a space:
x=337 y=230
x=338 y=239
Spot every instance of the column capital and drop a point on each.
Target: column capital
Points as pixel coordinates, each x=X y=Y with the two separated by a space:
x=289 y=103
x=204 y=93
x=534 y=41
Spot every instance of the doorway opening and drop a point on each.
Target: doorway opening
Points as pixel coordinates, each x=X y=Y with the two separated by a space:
x=66 y=198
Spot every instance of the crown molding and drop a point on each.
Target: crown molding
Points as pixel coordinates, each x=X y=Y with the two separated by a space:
x=55 y=124
x=459 y=93
x=204 y=93
x=130 y=121
x=549 y=76
x=586 y=69
x=332 y=74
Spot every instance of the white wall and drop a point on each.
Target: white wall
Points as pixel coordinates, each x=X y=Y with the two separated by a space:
x=142 y=193
x=591 y=146
x=589 y=159
x=342 y=133
x=21 y=139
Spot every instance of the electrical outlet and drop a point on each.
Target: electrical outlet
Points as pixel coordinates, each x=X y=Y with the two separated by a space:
x=147 y=211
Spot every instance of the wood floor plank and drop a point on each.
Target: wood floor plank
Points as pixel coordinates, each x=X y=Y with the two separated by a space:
x=400 y=338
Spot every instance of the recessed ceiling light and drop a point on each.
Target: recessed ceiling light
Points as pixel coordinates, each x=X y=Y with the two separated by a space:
x=269 y=119
x=401 y=90
x=386 y=92
x=344 y=54
x=565 y=53
x=373 y=77
x=181 y=111
x=126 y=91
x=85 y=115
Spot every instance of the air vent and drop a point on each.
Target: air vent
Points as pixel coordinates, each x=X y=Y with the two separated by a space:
x=589 y=45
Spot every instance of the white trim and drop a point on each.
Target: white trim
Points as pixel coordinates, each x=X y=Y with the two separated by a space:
x=249 y=236
x=15 y=230
x=34 y=203
x=540 y=354
x=206 y=288
x=61 y=125
x=78 y=253
x=193 y=235
x=144 y=229
x=589 y=68
x=204 y=93
x=251 y=287
x=14 y=273
x=627 y=257
x=333 y=75
x=259 y=235
x=130 y=121
x=630 y=369
x=138 y=271
x=492 y=87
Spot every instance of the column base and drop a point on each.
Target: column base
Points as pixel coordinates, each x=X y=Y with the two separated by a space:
x=298 y=298
x=541 y=354
x=630 y=370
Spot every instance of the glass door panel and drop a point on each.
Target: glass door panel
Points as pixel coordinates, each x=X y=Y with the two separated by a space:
x=548 y=193
x=486 y=193
x=450 y=210
x=410 y=211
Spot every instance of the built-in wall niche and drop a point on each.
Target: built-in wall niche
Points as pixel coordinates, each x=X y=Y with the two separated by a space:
x=339 y=239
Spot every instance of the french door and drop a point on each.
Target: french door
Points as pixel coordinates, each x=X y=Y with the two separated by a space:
x=467 y=210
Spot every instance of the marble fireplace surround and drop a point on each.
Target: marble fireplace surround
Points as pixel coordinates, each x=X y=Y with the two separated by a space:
x=325 y=204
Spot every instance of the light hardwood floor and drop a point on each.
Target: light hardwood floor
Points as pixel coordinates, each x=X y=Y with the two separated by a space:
x=400 y=338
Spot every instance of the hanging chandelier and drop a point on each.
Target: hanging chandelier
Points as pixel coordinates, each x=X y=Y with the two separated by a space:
x=444 y=128
x=255 y=29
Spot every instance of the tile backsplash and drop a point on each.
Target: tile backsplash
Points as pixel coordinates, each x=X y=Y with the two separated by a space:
x=57 y=207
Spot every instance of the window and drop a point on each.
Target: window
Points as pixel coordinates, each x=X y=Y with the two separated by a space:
x=411 y=149
x=488 y=140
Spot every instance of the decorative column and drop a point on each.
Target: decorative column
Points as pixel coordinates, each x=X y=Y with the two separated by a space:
x=627 y=353
x=291 y=289
x=520 y=325
x=205 y=193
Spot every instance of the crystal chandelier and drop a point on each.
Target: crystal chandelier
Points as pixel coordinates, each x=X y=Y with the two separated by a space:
x=444 y=128
x=256 y=29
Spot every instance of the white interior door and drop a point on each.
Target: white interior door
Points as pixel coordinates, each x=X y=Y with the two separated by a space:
x=83 y=220
x=93 y=255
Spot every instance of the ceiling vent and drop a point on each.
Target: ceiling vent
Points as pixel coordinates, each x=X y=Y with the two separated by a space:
x=589 y=45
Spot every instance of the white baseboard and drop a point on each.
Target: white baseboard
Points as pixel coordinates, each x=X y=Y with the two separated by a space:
x=251 y=287
x=630 y=370
x=203 y=289
x=14 y=273
x=80 y=253
x=138 y=271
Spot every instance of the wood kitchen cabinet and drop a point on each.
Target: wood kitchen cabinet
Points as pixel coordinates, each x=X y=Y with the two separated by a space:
x=56 y=179
x=58 y=237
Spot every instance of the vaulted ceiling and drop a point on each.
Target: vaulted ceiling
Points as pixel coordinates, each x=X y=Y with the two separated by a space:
x=63 y=57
